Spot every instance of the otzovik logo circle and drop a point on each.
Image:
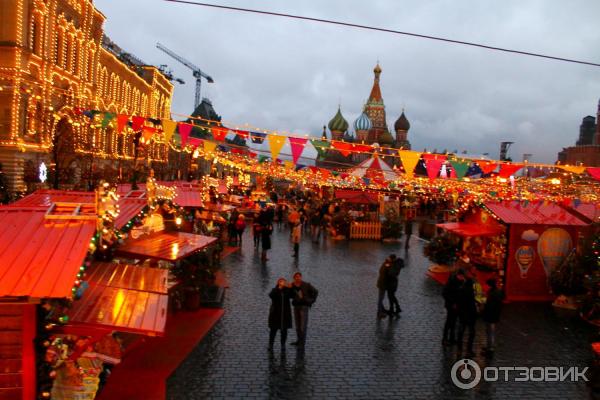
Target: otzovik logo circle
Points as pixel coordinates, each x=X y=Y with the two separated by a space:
x=465 y=374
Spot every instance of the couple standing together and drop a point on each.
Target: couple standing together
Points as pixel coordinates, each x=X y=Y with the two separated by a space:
x=303 y=295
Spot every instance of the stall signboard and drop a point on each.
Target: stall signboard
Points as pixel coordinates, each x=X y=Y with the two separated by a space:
x=535 y=251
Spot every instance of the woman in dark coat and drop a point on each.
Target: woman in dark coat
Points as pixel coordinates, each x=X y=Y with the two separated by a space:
x=280 y=314
x=265 y=238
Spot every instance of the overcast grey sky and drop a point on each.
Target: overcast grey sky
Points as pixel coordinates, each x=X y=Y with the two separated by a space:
x=290 y=75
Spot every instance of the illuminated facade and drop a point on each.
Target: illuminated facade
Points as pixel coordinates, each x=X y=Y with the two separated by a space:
x=54 y=62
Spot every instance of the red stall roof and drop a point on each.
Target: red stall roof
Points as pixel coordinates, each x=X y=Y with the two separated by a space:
x=359 y=197
x=469 y=229
x=170 y=246
x=537 y=213
x=130 y=202
x=588 y=210
x=127 y=276
x=45 y=198
x=129 y=207
x=188 y=197
x=128 y=310
x=40 y=256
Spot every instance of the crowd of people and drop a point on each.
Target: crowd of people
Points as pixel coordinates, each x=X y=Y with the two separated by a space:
x=465 y=301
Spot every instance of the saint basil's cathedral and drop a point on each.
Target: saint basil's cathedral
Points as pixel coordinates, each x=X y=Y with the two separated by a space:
x=369 y=128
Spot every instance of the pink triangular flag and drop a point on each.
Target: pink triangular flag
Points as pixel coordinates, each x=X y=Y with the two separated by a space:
x=297 y=146
x=184 y=131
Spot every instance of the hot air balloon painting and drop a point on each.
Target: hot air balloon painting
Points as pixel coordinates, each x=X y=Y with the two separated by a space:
x=524 y=256
x=554 y=245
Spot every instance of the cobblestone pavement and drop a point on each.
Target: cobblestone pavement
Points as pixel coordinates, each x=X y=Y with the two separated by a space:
x=352 y=355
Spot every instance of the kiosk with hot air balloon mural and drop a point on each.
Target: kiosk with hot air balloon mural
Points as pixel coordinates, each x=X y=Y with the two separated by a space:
x=539 y=237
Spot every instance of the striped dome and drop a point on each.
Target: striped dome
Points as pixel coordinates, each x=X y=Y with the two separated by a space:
x=362 y=123
x=338 y=123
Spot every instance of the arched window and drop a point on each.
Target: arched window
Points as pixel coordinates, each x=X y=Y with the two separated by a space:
x=90 y=66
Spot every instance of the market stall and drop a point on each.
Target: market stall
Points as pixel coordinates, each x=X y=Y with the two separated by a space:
x=523 y=242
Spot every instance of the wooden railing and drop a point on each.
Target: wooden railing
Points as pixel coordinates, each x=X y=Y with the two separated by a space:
x=365 y=230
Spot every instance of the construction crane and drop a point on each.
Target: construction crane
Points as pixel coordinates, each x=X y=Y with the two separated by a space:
x=196 y=72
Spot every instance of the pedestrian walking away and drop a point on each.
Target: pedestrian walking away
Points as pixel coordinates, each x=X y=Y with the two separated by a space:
x=491 y=314
x=382 y=285
x=296 y=236
x=304 y=296
x=467 y=311
x=408 y=229
x=265 y=238
x=392 y=284
x=280 y=313
x=450 y=294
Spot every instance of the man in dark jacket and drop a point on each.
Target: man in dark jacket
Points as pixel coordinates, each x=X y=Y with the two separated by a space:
x=467 y=311
x=382 y=286
x=304 y=296
x=491 y=314
x=450 y=294
x=280 y=313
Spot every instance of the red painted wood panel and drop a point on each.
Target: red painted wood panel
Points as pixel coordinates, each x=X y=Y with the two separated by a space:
x=169 y=246
x=128 y=310
x=128 y=276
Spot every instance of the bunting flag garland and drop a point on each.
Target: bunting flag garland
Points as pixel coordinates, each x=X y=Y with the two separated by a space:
x=262 y=159
x=276 y=142
x=184 y=131
x=460 y=168
x=594 y=172
x=362 y=148
x=433 y=166
x=107 y=118
x=297 y=147
x=444 y=172
x=573 y=169
x=209 y=147
x=168 y=129
x=137 y=122
x=487 y=167
x=343 y=147
x=257 y=137
x=409 y=161
x=321 y=146
x=147 y=133
x=219 y=133
x=507 y=170
x=195 y=142
x=122 y=120
x=242 y=134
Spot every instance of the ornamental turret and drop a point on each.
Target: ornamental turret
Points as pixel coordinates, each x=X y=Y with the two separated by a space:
x=338 y=126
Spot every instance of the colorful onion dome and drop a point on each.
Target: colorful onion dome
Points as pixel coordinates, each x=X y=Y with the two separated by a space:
x=386 y=139
x=363 y=123
x=402 y=123
x=338 y=123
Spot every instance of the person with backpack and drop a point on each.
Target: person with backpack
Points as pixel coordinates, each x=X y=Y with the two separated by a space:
x=304 y=296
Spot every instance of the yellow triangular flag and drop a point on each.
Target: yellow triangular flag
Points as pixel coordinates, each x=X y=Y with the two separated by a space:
x=572 y=168
x=409 y=161
x=209 y=146
x=168 y=129
x=276 y=142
